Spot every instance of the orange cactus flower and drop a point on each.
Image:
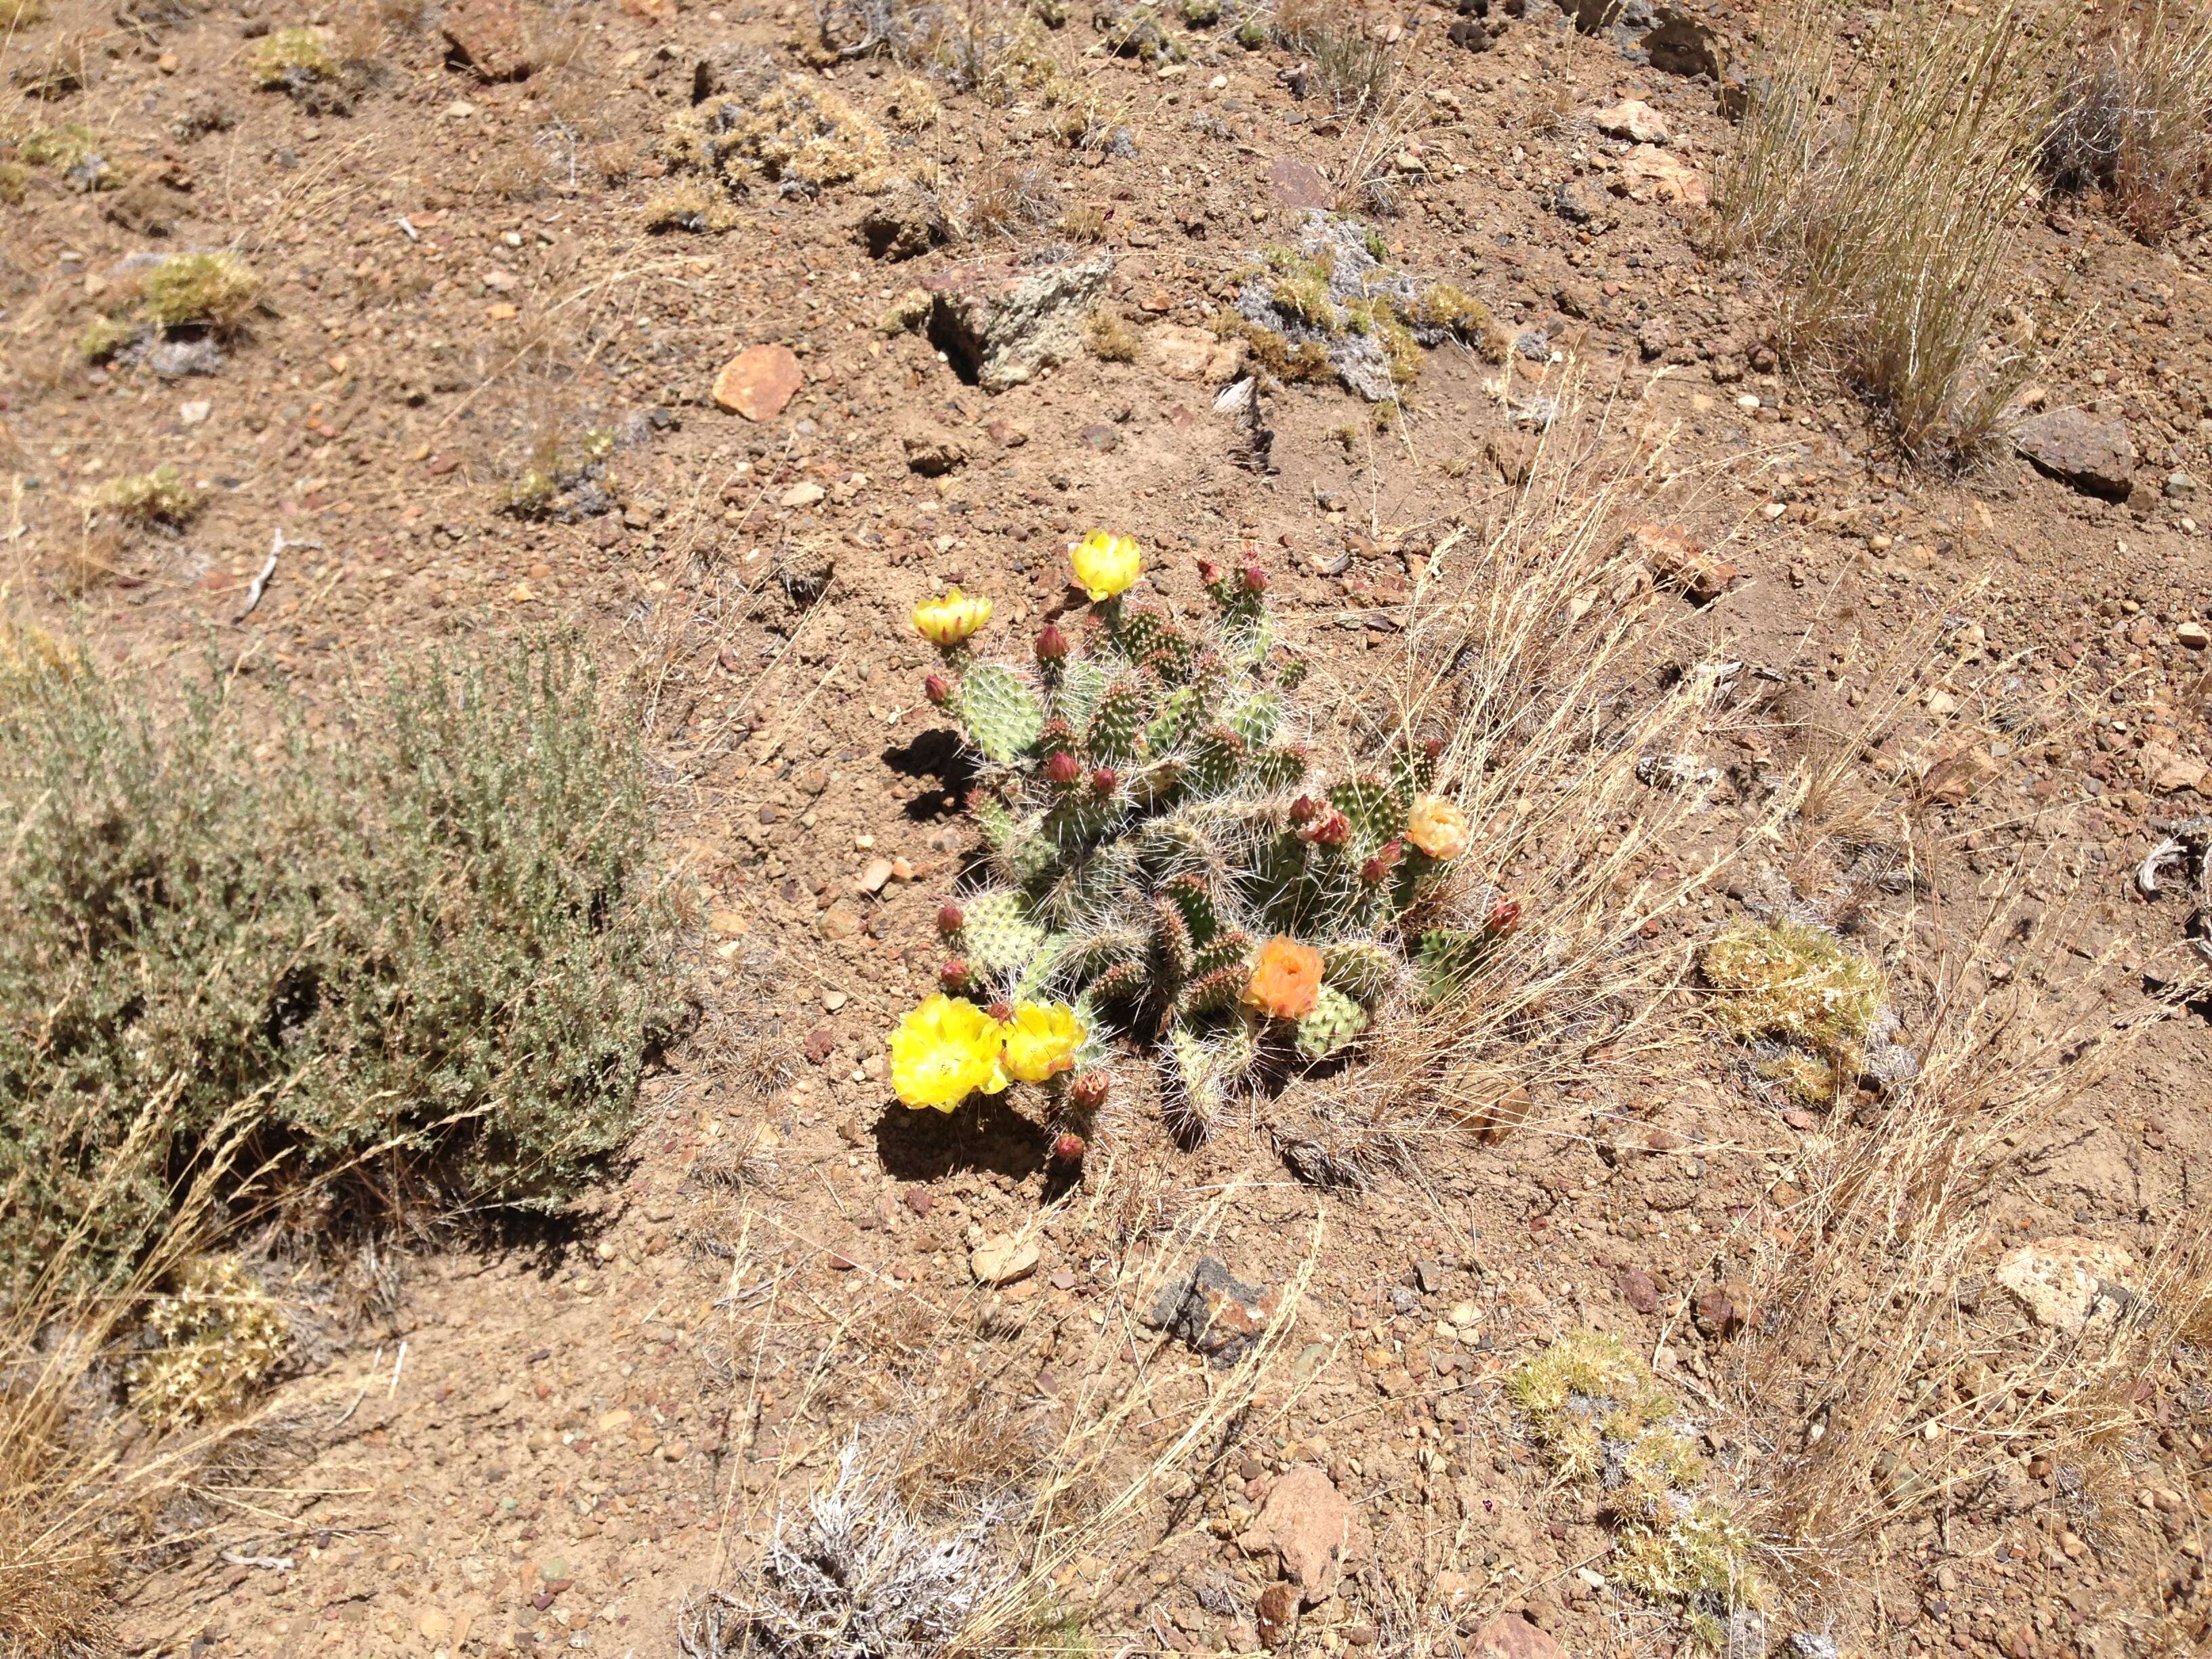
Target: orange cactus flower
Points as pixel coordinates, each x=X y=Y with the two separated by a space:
x=1286 y=979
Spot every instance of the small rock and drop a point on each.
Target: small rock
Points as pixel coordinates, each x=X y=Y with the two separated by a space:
x=2068 y=1284
x=1213 y=1311
x=1633 y=118
x=1512 y=1637
x=1640 y=1289
x=1651 y=174
x=2092 y=453
x=758 y=382
x=1959 y=777
x=839 y=922
x=2169 y=772
x=802 y=495
x=1493 y=1106
x=2193 y=636
x=1001 y=1260
x=1193 y=354
x=1299 y=185
x=1276 y=1614
x=1006 y=325
x=1101 y=435
x=1430 y=1277
x=932 y=451
x=1312 y=1528
x=875 y=875
x=920 y=1200
x=194 y=413
x=1805 y=1644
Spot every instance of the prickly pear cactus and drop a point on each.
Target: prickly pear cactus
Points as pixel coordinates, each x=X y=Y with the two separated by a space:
x=1160 y=857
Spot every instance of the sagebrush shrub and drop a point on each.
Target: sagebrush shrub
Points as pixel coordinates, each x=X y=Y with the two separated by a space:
x=426 y=954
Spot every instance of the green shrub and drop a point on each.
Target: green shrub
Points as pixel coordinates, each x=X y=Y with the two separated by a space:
x=429 y=955
x=206 y=291
x=160 y=497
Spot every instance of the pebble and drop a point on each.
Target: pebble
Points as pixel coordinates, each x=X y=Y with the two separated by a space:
x=1001 y=1260
x=802 y=495
x=2194 y=635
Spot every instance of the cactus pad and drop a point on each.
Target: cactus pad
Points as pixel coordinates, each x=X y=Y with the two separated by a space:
x=1000 y=937
x=1361 y=968
x=1002 y=716
x=1332 y=1024
x=1117 y=732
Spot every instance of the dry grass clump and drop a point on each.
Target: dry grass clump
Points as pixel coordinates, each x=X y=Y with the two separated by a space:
x=214 y=1338
x=1887 y=189
x=161 y=499
x=1532 y=657
x=1353 y=70
x=1112 y=338
x=2132 y=117
x=689 y=205
x=21 y=15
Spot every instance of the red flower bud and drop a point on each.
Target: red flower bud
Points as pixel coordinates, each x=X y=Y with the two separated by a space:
x=1001 y=1012
x=937 y=690
x=1208 y=572
x=1255 y=580
x=1432 y=747
x=1105 y=780
x=1069 y=1149
x=1504 y=916
x=1062 y=768
x=954 y=973
x=949 y=917
x=1088 y=1090
x=1052 y=645
x=1385 y=860
x=1304 y=810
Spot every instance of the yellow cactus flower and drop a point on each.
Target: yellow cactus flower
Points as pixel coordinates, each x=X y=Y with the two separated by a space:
x=1106 y=564
x=1041 y=1039
x=1437 y=828
x=947 y=621
x=945 y=1050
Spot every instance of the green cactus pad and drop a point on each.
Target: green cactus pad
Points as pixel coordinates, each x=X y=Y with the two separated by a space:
x=1256 y=719
x=1204 y=1067
x=1172 y=950
x=1412 y=773
x=1361 y=968
x=1141 y=627
x=1116 y=735
x=1373 y=809
x=1087 y=956
x=1211 y=992
x=1190 y=895
x=1181 y=713
x=1123 y=983
x=1002 y=716
x=1333 y=1024
x=1232 y=950
x=1275 y=768
x=1213 y=762
x=1446 y=961
x=1083 y=681
x=1000 y=937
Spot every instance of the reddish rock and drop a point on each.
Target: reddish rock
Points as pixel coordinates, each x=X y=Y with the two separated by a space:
x=1299 y=184
x=1641 y=1291
x=1512 y=1637
x=1679 y=560
x=1312 y=1528
x=2093 y=452
x=1213 y=1311
x=487 y=36
x=758 y=382
x=1276 y=1614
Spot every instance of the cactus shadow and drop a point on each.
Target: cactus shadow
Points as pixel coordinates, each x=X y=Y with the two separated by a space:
x=936 y=755
x=985 y=1136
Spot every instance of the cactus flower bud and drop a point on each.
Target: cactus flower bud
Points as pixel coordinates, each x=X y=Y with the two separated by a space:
x=1208 y=572
x=1062 y=768
x=1385 y=860
x=1088 y=1090
x=1432 y=747
x=937 y=690
x=949 y=917
x=1304 y=810
x=1105 y=780
x=1068 y=1148
x=1255 y=580
x=954 y=973
x=1052 y=645
x=1001 y=1010
x=1504 y=916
